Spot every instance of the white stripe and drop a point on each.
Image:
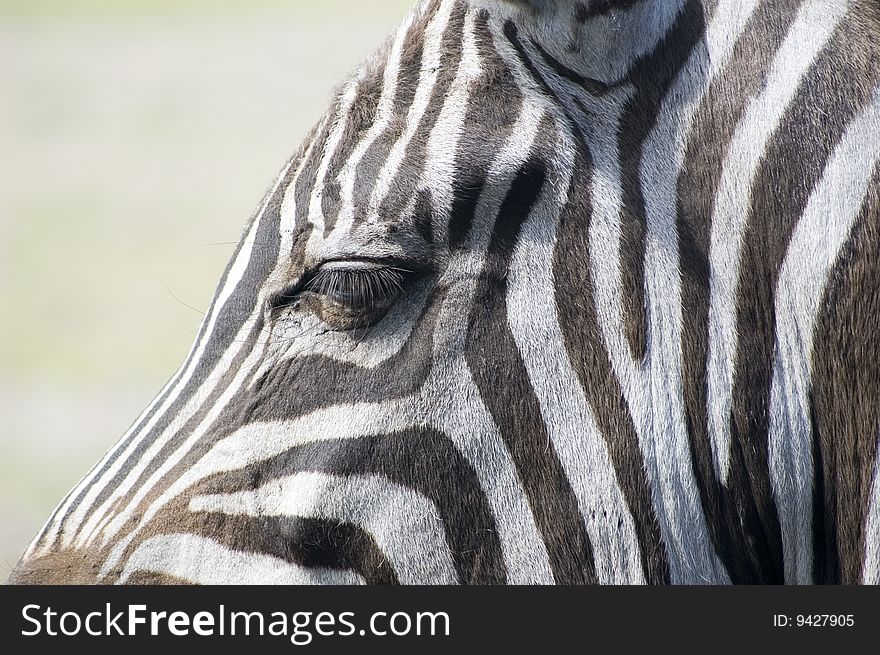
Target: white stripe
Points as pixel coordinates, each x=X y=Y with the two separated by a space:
x=652 y=388
x=251 y=444
x=308 y=335
x=260 y=441
x=438 y=176
x=442 y=152
x=566 y=413
x=234 y=278
x=606 y=47
x=615 y=559
x=405 y=525
x=287 y=214
x=98 y=518
x=329 y=146
x=812 y=253
x=109 y=528
x=658 y=406
x=814 y=25
x=467 y=421
x=470 y=427
x=46 y=537
x=202 y=561
x=871 y=567
x=384 y=114
x=431 y=58
x=286 y=227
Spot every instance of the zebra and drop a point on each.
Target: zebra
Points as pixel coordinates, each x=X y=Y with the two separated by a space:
x=575 y=292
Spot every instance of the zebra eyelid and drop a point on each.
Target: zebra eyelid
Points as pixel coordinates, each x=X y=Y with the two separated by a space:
x=402 y=264
x=324 y=278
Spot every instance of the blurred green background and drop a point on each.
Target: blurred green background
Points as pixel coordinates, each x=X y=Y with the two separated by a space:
x=136 y=138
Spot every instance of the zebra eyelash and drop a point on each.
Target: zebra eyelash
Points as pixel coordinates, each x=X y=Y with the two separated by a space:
x=358 y=288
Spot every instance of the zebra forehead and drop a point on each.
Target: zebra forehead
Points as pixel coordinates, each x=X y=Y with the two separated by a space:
x=598 y=39
x=376 y=161
x=438 y=81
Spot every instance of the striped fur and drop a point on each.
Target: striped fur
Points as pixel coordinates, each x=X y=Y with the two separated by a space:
x=555 y=292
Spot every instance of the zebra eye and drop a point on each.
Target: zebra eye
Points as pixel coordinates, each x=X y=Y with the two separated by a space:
x=359 y=286
x=348 y=294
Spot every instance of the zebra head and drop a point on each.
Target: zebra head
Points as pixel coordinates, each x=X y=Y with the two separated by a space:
x=534 y=302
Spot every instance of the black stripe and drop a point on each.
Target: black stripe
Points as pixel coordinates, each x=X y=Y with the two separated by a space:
x=846 y=401
x=585 y=11
x=293 y=388
x=424 y=218
x=423 y=460
x=175 y=440
x=583 y=341
x=506 y=390
x=361 y=115
x=229 y=321
x=730 y=511
x=493 y=110
x=651 y=76
x=302 y=384
x=308 y=175
x=415 y=156
x=307 y=542
x=789 y=171
x=591 y=86
x=152 y=579
x=376 y=155
x=270 y=226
